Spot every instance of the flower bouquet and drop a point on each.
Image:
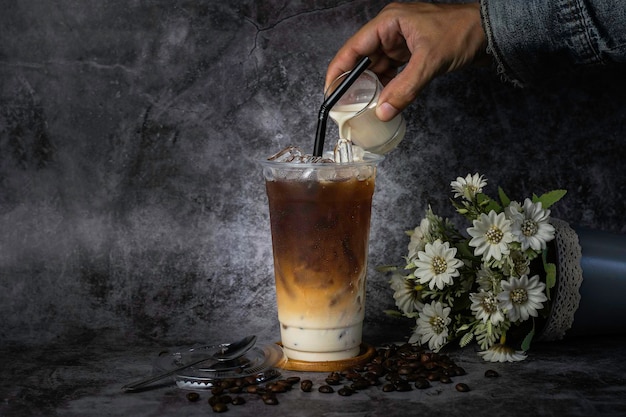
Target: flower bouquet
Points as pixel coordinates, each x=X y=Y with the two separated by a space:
x=492 y=281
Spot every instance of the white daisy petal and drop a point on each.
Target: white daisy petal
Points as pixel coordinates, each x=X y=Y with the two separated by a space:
x=437 y=265
x=530 y=225
x=486 y=307
x=491 y=235
x=522 y=297
x=469 y=186
x=432 y=326
x=407 y=294
x=502 y=353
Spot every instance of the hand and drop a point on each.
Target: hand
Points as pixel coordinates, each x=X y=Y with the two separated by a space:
x=431 y=39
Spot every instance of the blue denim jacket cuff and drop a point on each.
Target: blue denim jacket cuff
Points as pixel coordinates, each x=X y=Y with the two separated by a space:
x=533 y=38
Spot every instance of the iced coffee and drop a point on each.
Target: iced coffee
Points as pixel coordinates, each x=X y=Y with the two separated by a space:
x=320 y=221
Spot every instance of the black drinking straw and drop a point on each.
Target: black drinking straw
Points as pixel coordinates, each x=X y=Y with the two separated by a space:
x=322 y=117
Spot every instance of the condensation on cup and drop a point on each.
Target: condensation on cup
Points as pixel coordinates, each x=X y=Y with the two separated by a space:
x=355 y=115
x=320 y=221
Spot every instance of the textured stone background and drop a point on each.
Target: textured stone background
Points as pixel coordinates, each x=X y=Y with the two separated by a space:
x=130 y=200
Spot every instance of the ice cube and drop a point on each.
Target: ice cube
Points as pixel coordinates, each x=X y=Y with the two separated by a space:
x=294 y=155
x=289 y=154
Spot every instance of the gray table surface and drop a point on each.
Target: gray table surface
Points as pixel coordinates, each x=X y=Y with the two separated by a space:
x=581 y=377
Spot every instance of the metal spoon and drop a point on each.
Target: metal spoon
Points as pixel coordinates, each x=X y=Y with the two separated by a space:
x=225 y=352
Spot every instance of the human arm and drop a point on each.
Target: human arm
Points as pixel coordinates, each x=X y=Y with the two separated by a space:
x=533 y=39
x=430 y=39
x=528 y=39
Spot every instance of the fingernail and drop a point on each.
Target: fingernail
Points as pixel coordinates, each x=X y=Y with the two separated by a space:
x=386 y=112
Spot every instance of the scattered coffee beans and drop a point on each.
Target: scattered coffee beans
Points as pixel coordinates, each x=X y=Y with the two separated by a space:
x=402 y=367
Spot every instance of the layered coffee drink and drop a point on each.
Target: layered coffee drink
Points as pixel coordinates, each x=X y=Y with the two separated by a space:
x=320 y=221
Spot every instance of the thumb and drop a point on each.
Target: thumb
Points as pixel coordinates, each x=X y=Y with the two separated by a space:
x=400 y=92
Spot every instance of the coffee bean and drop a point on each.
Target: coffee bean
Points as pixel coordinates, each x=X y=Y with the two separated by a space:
x=352 y=375
x=433 y=376
x=277 y=388
x=402 y=386
x=333 y=381
x=461 y=387
x=422 y=383
x=405 y=370
x=306 y=385
x=270 y=399
x=252 y=389
x=250 y=380
x=345 y=391
x=293 y=380
x=285 y=383
x=220 y=407
x=490 y=373
x=459 y=371
x=389 y=387
x=226 y=399
x=360 y=384
x=444 y=379
x=193 y=396
x=371 y=378
x=238 y=401
x=326 y=389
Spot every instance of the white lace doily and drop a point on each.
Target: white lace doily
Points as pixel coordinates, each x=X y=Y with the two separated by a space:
x=569 y=278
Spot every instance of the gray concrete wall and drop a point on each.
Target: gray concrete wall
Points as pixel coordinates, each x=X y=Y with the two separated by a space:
x=130 y=199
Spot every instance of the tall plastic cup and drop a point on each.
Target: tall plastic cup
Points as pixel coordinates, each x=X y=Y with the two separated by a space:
x=320 y=222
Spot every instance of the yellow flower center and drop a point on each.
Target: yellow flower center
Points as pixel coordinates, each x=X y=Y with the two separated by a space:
x=438 y=324
x=489 y=304
x=529 y=227
x=439 y=265
x=519 y=296
x=494 y=235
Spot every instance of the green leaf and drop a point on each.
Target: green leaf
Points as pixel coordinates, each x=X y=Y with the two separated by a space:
x=393 y=313
x=528 y=339
x=488 y=204
x=504 y=199
x=386 y=268
x=550 y=269
x=551 y=197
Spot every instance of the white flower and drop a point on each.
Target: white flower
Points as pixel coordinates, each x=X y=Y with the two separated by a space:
x=407 y=294
x=419 y=238
x=432 y=326
x=502 y=353
x=491 y=235
x=437 y=264
x=522 y=297
x=426 y=232
x=469 y=186
x=486 y=307
x=531 y=225
x=513 y=207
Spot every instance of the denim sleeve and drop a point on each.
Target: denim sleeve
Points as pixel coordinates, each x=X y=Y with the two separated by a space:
x=530 y=39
